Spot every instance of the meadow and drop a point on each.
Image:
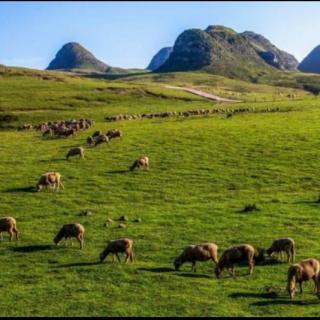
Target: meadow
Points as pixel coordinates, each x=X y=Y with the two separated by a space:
x=203 y=172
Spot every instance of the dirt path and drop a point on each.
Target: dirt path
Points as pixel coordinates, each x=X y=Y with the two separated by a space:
x=203 y=94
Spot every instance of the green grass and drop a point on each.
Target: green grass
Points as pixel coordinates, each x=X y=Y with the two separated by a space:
x=203 y=171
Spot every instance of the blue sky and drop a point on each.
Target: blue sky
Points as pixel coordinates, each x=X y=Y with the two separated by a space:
x=128 y=34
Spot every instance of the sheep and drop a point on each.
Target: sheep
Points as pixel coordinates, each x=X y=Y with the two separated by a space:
x=101 y=139
x=70 y=230
x=237 y=254
x=75 y=151
x=114 y=133
x=198 y=252
x=116 y=246
x=286 y=245
x=8 y=224
x=50 y=179
x=141 y=162
x=90 y=141
x=97 y=134
x=303 y=271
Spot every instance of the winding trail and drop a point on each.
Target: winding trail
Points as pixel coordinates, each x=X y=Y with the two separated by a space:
x=202 y=94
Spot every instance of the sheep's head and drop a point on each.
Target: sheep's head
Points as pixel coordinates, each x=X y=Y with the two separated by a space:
x=177 y=263
x=103 y=255
x=291 y=290
x=269 y=251
x=217 y=271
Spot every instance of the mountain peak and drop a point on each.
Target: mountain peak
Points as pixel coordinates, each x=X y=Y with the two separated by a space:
x=311 y=63
x=72 y=55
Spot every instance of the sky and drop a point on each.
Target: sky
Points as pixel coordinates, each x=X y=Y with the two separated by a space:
x=128 y=34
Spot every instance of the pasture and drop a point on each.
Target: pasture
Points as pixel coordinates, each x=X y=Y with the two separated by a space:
x=203 y=172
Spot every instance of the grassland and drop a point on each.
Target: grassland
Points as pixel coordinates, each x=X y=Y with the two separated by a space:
x=204 y=170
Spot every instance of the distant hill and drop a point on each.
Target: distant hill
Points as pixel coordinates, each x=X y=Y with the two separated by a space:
x=270 y=53
x=311 y=63
x=159 y=58
x=221 y=50
x=74 y=57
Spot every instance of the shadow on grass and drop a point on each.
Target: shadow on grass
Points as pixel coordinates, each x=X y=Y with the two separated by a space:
x=35 y=248
x=286 y=302
x=118 y=171
x=161 y=269
x=194 y=275
x=78 y=264
x=53 y=160
x=264 y=295
x=23 y=189
x=269 y=262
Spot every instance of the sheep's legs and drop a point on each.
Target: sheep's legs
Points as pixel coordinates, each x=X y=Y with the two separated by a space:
x=300 y=285
x=80 y=239
x=118 y=257
x=10 y=235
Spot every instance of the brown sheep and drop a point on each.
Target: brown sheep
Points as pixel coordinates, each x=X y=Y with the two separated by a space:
x=9 y=225
x=70 y=230
x=75 y=151
x=101 y=139
x=114 y=133
x=50 y=179
x=141 y=162
x=233 y=255
x=97 y=134
x=303 y=271
x=198 y=252
x=90 y=141
x=286 y=245
x=116 y=246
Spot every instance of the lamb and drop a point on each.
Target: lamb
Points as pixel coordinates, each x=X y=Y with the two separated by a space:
x=9 y=225
x=198 y=252
x=141 y=162
x=116 y=246
x=97 y=134
x=286 y=245
x=233 y=255
x=75 y=151
x=50 y=179
x=303 y=271
x=70 y=230
x=101 y=139
x=114 y=133
x=90 y=141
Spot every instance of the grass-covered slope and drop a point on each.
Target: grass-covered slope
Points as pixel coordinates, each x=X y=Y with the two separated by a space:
x=203 y=171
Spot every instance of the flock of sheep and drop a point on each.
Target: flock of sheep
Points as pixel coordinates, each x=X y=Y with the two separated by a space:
x=305 y=270
x=188 y=113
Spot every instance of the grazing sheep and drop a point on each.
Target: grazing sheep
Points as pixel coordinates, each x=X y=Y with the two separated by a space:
x=50 y=179
x=90 y=141
x=9 y=225
x=75 y=151
x=303 y=271
x=141 y=162
x=70 y=230
x=97 y=134
x=233 y=255
x=101 y=139
x=114 y=133
x=198 y=252
x=116 y=246
x=286 y=245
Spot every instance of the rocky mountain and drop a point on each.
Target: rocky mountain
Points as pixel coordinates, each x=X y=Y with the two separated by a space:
x=311 y=63
x=270 y=53
x=73 y=56
x=159 y=59
x=221 y=50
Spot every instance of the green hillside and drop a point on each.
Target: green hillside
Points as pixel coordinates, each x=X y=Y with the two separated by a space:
x=203 y=171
